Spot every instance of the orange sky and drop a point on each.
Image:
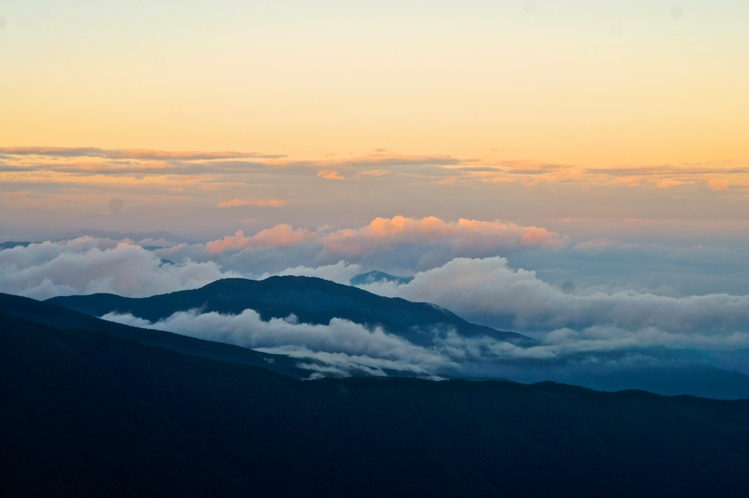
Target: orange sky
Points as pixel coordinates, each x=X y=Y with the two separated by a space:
x=528 y=111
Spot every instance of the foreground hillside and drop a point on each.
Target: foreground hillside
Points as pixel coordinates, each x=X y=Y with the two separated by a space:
x=42 y=313
x=99 y=415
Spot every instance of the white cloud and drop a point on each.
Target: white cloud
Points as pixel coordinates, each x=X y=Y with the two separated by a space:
x=481 y=290
x=341 y=344
x=341 y=272
x=488 y=291
x=342 y=348
x=88 y=265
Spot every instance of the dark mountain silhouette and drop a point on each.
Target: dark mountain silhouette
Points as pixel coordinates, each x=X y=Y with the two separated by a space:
x=85 y=413
x=312 y=300
x=48 y=314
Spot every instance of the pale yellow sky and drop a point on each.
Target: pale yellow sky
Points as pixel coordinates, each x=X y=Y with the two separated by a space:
x=580 y=83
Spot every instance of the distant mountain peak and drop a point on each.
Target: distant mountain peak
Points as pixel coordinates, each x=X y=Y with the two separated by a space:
x=11 y=244
x=375 y=276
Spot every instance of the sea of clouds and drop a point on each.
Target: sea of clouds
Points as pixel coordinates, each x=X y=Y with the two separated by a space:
x=456 y=265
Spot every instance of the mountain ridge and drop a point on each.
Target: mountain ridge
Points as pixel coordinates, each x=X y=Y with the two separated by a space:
x=671 y=372
x=312 y=300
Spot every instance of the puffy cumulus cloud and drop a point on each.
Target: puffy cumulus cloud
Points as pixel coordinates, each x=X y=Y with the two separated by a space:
x=482 y=290
x=342 y=346
x=277 y=236
x=88 y=265
x=465 y=236
x=488 y=291
x=394 y=244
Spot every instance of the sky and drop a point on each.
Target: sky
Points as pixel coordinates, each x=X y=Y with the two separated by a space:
x=334 y=112
x=581 y=147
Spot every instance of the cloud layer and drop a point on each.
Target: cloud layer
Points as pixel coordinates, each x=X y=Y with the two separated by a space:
x=342 y=345
x=454 y=265
x=488 y=291
x=394 y=243
x=343 y=348
x=212 y=193
x=88 y=265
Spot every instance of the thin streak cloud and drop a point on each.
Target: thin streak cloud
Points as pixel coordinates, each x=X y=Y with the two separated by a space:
x=232 y=203
x=141 y=154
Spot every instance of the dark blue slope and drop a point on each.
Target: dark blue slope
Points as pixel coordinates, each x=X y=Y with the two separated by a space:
x=312 y=300
x=57 y=316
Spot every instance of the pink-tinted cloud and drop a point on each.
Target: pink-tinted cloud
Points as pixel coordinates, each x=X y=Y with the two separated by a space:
x=717 y=184
x=330 y=175
x=464 y=237
x=670 y=182
x=233 y=203
x=278 y=236
x=384 y=234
